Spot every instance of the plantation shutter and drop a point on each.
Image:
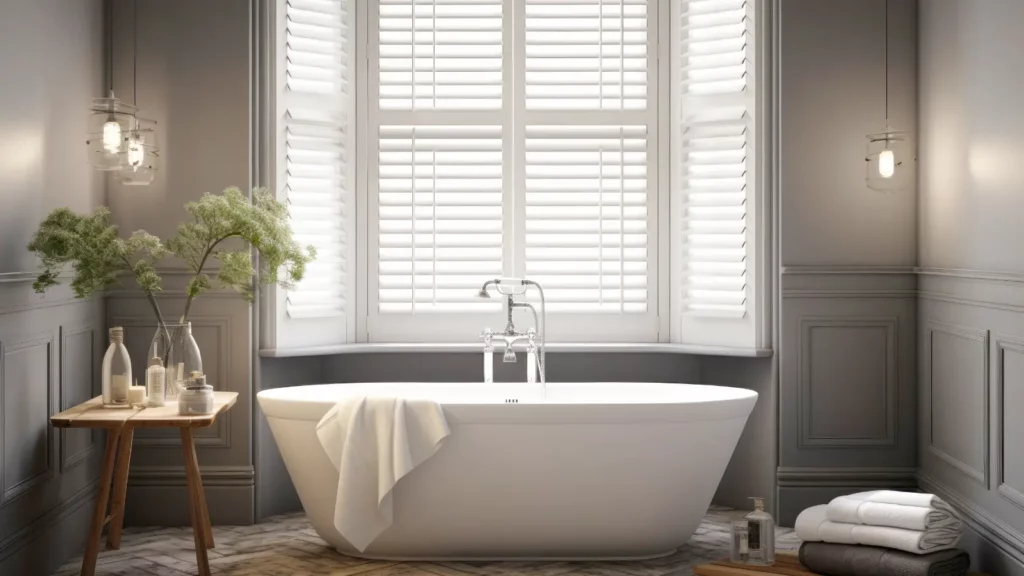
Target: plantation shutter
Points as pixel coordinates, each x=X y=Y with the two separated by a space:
x=589 y=176
x=315 y=177
x=440 y=131
x=714 y=189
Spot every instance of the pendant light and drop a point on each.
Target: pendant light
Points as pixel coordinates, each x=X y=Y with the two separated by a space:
x=141 y=154
x=888 y=161
x=110 y=119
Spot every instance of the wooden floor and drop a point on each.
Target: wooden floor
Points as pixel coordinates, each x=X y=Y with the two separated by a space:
x=288 y=546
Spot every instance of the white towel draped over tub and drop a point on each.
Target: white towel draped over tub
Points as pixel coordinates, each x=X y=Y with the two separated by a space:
x=373 y=442
x=813 y=525
x=910 y=510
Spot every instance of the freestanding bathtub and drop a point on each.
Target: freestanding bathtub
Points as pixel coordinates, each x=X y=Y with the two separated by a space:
x=589 y=470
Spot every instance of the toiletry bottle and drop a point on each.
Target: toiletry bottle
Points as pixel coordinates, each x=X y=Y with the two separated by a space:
x=488 y=357
x=761 y=535
x=117 y=371
x=740 y=551
x=155 y=382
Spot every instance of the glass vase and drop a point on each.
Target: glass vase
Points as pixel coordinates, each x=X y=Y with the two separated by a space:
x=179 y=355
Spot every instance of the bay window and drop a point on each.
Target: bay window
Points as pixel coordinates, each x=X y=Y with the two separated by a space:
x=607 y=149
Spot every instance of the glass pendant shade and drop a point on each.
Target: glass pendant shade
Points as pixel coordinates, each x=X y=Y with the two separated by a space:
x=889 y=162
x=141 y=155
x=110 y=122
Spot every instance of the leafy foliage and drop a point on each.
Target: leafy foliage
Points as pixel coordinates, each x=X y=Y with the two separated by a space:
x=263 y=225
x=91 y=245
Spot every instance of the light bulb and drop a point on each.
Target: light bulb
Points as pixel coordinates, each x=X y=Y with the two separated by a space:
x=886 y=164
x=136 y=151
x=112 y=136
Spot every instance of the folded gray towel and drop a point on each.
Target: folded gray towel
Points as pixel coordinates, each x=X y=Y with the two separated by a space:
x=853 y=560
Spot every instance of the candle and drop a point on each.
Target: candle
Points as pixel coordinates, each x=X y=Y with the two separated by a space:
x=137 y=395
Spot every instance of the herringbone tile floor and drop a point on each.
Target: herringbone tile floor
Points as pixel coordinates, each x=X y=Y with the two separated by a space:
x=288 y=546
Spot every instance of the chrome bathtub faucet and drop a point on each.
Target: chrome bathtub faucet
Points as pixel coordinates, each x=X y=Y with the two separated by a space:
x=533 y=337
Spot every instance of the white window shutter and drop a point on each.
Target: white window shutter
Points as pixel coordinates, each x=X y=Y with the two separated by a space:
x=715 y=174
x=438 y=151
x=588 y=178
x=315 y=166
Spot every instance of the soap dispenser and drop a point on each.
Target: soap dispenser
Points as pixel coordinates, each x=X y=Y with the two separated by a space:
x=760 y=535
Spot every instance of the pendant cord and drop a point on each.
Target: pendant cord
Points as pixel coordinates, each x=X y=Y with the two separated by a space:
x=887 y=63
x=110 y=46
x=134 y=56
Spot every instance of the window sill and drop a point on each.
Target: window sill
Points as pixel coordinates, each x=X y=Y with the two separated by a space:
x=378 y=347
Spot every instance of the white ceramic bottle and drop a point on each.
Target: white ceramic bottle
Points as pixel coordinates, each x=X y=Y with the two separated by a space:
x=117 y=371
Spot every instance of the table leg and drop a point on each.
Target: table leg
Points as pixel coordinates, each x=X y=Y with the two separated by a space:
x=195 y=500
x=99 y=511
x=124 y=456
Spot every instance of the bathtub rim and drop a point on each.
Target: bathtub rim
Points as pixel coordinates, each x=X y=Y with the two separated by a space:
x=735 y=403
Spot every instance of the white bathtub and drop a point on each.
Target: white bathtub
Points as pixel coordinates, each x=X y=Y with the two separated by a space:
x=594 y=470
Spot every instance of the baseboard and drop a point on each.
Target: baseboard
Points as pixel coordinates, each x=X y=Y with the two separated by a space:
x=998 y=548
x=799 y=488
x=175 y=476
x=44 y=545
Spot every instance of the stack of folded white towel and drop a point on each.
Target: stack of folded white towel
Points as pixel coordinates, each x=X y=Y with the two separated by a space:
x=908 y=521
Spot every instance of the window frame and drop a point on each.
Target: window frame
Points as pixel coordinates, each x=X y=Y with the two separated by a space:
x=283 y=336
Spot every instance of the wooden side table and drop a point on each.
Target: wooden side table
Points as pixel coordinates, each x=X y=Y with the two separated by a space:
x=120 y=424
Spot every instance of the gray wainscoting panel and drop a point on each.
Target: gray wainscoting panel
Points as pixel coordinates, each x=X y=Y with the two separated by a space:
x=1009 y=401
x=27 y=397
x=957 y=374
x=848 y=381
x=972 y=388
x=47 y=361
x=847 y=417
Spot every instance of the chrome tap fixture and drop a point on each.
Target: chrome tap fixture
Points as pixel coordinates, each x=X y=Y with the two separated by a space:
x=533 y=337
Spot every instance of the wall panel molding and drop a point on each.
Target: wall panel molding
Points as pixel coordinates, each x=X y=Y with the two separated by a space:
x=1004 y=344
x=20 y=486
x=69 y=461
x=981 y=338
x=806 y=385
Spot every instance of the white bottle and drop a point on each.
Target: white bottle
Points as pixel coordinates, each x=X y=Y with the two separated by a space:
x=155 y=382
x=117 y=371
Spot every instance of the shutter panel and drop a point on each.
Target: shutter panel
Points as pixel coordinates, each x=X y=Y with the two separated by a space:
x=440 y=54
x=714 y=189
x=586 y=216
x=588 y=183
x=440 y=197
x=586 y=54
x=315 y=161
x=439 y=138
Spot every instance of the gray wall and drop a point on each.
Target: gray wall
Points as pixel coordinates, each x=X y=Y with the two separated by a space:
x=971 y=302
x=847 y=315
x=51 y=65
x=193 y=79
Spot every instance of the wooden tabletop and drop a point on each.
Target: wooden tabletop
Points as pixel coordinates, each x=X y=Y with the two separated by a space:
x=92 y=414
